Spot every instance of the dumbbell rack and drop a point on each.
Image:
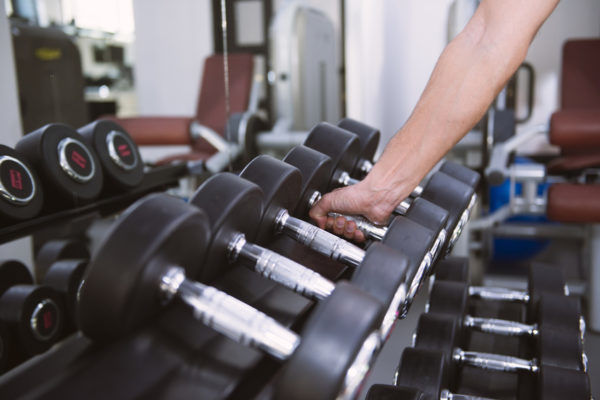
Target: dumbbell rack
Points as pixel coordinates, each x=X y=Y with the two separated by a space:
x=174 y=356
x=156 y=179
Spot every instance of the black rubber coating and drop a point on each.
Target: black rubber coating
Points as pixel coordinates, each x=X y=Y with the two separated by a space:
x=6 y=347
x=462 y=173
x=65 y=277
x=449 y=297
x=15 y=180
x=411 y=239
x=315 y=168
x=18 y=306
x=431 y=216
x=233 y=205
x=281 y=184
x=120 y=289
x=319 y=365
x=560 y=349
x=556 y=383
x=380 y=391
x=13 y=272
x=438 y=332
x=450 y=194
x=543 y=278
x=368 y=137
x=559 y=312
x=40 y=148
x=425 y=370
x=96 y=134
x=55 y=250
x=381 y=273
x=454 y=269
x=341 y=146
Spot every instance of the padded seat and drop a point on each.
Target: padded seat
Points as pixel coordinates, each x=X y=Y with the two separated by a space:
x=569 y=202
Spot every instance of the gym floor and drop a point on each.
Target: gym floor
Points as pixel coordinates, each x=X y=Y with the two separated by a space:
x=385 y=366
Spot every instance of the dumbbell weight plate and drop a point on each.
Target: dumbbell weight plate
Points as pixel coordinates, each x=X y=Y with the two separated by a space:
x=5 y=347
x=454 y=269
x=343 y=153
x=242 y=129
x=461 y=173
x=13 y=272
x=328 y=346
x=315 y=168
x=368 y=137
x=231 y=205
x=391 y=392
x=556 y=383
x=543 y=278
x=21 y=195
x=55 y=250
x=132 y=269
x=67 y=167
x=424 y=369
x=65 y=276
x=280 y=183
x=118 y=154
x=35 y=314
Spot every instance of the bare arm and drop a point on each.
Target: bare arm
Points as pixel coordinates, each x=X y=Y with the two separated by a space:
x=469 y=74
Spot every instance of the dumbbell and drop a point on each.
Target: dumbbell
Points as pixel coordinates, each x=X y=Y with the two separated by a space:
x=556 y=347
x=65 y=276
x=118 y=154
x=403 y=234
x=33 y=314
x=369 y=140
x=5 y=346
x=234 y=207
x=391 y=392
x=68 y=168
x=58 y=249
x=427 y=370
x=145 y=262
x=343 y=147
x=281 y=185
x=21 y=195
x=451 y=297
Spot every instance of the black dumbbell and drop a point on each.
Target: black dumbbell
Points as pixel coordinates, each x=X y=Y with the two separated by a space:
x=34 y=314
x=427 y=370
x=21 y=195
x=118 y=154
x=442 y=190
x=281 y=184
x=5 y=346
x=452 y=269
x=66 y=276
x=145 y=262
x=68 y=168
x=556 y=347
x=542 y=279
x=391 y=392
x=58 y=249
x=403 y=234
x=234 y=207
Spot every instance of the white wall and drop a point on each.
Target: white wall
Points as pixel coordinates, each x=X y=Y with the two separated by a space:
x=172 y=40
x=10 y=129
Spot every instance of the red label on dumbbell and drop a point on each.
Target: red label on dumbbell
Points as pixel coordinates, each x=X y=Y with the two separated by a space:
x=15 y=179
x=45 y=320
x=121 y=150
x=78 y=160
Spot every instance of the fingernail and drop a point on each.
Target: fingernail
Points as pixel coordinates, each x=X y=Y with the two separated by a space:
x=350 y=228
x=339 y=223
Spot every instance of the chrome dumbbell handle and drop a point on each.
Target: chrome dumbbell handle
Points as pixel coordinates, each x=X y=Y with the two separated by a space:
x=500 y=294
x=370 y=230
x=280 y=269
x=500 y=326
x=415 y=284
x=229 y=316
x=319 y=240
x=494 y=362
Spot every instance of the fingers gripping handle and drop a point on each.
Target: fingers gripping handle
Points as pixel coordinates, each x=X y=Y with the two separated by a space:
x=233 y=318
x=281 y=269
x=319 y=240
x=370 y=230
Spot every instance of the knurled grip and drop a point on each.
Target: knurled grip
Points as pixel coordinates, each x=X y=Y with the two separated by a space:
x=495 y=362
x=238 y=321
x=500 y=294
x=500 y=326
x=321 y=241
